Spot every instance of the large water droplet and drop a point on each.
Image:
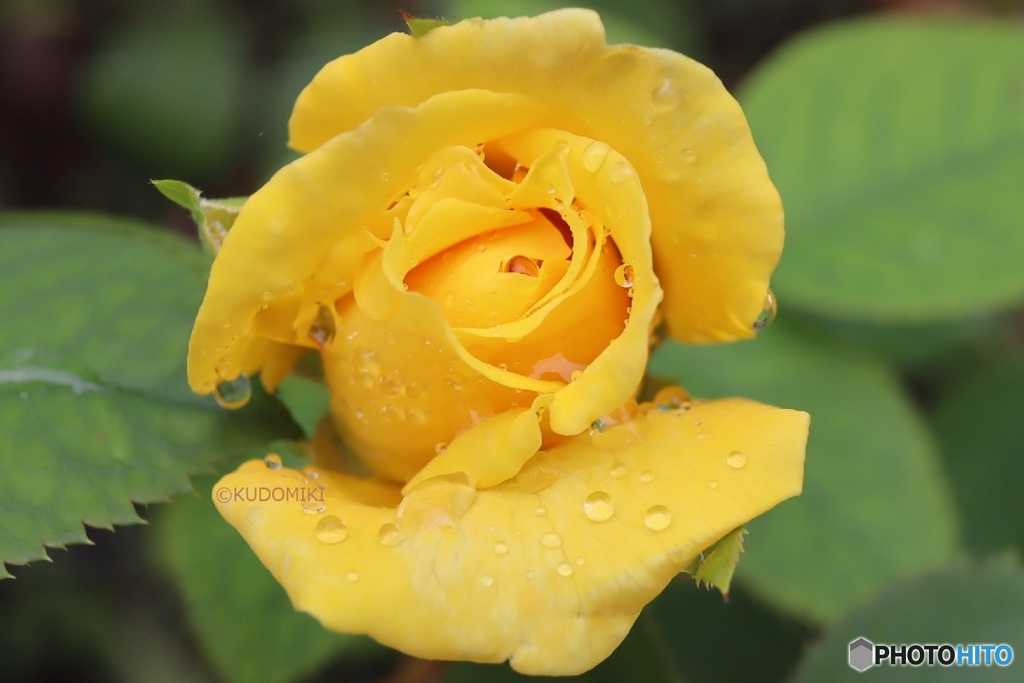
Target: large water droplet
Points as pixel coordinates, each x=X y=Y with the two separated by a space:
x=324 y=327
x=768 y=312
x=272 y=461
x=657 y=518
x=233 y=393
x=618 y=471
x=624 y=275
x=564 y=569
x=330 y=529
x=736 y=460
x=551 y=540
x=390 y=535
x=594 y=156
x=598 y=506
x=647 y=476
x=501 y=548
x=673 y=397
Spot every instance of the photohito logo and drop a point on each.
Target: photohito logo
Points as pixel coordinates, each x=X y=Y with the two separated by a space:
x=864 y=654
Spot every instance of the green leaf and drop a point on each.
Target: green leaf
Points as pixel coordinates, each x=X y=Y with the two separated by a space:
x=168 y=94
x=875 y=505
x=94 y=408
x=981 y=436
x=963 y=603
x=898 y=147
x=717 y=564
x=240 y=614
x=213 y=217
x=421 y=27
x=307 y=400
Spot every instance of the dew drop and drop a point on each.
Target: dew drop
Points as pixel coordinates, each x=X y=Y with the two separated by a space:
x=618 y=471
x=597 y=426
x=657 y=518
x=575 y=375
x=672 y=398
x=736 y=460
x=712 y=484
x=540 y=511
x=689 y=156
x=352 y=577
x=390 y=535
x=503 y=367
x=594 y=156
x=564 y=569
x=272 y=461
x=414 y=389
x=313 y=507
x=233 y=393
x=664 y=95
x=621 y=172
x=324 y=327
x=486 y=580
x=330 y=529
x=580 y=561
x=522 y=265
x=449 y=299
x=599 y=507
x=770 y=308
x=551 y=540
x=647 y=476
x=624 y=275
x=366 y=360
x=391 y=385
x=501 y=548
x=440 y=447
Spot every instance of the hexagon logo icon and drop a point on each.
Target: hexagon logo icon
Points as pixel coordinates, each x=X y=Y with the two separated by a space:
x=862 y=654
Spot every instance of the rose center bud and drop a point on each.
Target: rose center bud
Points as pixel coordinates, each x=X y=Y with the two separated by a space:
x=496 y=277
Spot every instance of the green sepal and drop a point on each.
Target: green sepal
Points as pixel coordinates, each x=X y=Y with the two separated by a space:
x=420 y=27
x=715 y=566
x=213 y=217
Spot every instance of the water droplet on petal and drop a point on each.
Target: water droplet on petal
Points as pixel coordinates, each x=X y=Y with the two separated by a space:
x=540 y=511
x=233 y=393
x=597 y=426
x=391 y=385
x=366 y=360
x=523 y=265
x=330 y=529
x=551 y=540
x=657 y=518
x=664 y=95
x=580 y=561
x=575 y=375
x=736 y=460
x=313 y=507
x=440 y=448
x=486 y=580
x=647 y=476
x=390 y=535
x=503 y=367
x=564 y=569
x=771 y=307
x=324 y=327
x=621 y=172
x=672 y=397
x=624 y=275
x=689 y=156
x=618 y=471
x=352 y=577
x=594 y=156
x=598 y=506
x=501 y=548
x=712 y=484
x=272 y=461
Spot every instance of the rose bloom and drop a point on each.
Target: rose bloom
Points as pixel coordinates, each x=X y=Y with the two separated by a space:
x=487 y=226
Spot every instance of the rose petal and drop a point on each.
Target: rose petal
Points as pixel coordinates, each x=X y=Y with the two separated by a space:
x=321 y=204
x=548 y=570
x=716 y=216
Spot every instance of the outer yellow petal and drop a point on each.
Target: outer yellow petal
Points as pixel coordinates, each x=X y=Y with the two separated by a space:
x=717 y=218
x=322 y=205
x=549 y=570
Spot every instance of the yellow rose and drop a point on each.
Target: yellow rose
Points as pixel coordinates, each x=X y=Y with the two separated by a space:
x=478 y=242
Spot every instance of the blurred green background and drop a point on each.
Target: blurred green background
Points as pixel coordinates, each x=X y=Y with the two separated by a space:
x=894 y=130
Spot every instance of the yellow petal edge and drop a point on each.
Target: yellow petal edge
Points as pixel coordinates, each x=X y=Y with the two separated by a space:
x=548 y=570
